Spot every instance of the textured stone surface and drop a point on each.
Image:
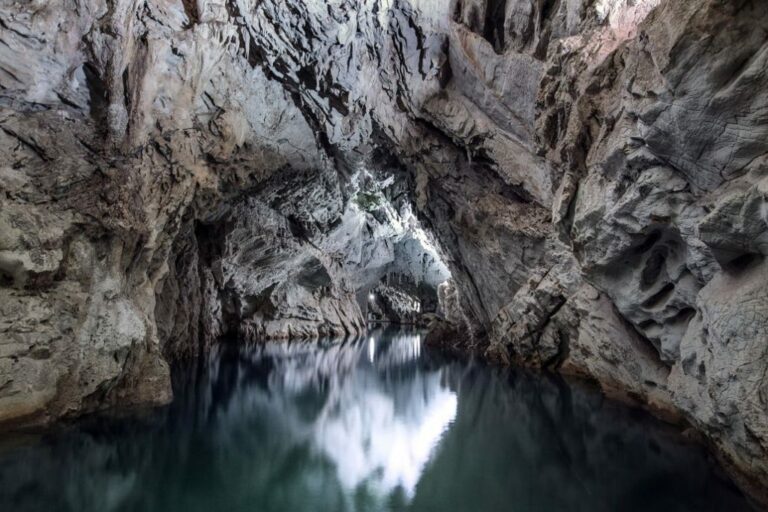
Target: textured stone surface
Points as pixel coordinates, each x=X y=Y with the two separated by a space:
x=593 y=174
x=392 y=305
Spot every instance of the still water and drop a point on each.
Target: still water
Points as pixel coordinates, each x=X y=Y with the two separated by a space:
x=378 y=424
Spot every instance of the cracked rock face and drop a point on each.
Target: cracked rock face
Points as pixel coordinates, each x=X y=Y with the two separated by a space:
x=592 y=172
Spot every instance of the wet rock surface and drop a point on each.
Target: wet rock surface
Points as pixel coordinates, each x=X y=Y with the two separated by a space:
x=593 y=174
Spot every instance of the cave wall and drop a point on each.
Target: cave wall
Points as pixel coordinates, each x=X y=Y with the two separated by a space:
x=593 y=172
x=288 y=260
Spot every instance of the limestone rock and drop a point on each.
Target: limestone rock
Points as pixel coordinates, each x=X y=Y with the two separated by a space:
x=390 y=304
x=591 y=173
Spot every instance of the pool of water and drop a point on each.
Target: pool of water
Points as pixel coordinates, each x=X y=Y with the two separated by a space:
x=377 y=424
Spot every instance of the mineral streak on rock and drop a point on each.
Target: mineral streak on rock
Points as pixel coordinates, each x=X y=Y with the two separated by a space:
x=594 y=174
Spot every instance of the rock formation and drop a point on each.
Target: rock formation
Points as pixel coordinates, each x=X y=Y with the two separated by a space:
x=592 y=172
x=392 y=305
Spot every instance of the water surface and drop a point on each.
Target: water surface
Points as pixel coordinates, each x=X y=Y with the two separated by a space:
x=378 y=424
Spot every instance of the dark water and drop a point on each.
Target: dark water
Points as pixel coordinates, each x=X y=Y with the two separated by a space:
x=378 y=424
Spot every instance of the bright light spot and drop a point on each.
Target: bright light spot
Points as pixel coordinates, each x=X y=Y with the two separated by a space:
x=371 y=349
x=371 y=297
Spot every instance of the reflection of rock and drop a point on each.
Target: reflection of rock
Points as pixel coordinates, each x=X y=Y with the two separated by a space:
x=301 y=427
x=395 y=350
x=566 y=438
x=383 y=439
x=377 y=433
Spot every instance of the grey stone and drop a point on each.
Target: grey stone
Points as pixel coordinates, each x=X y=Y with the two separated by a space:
x=591 y=174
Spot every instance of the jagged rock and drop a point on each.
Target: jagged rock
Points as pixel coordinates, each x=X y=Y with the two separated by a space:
x=592 y=173
x=390 y=304
x=449 y=302
x=718 y=381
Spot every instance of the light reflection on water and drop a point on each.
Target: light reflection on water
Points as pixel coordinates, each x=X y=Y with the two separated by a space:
x=377 y=432
x=371 y=425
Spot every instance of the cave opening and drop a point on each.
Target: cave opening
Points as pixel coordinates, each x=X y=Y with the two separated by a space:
x=306 y=255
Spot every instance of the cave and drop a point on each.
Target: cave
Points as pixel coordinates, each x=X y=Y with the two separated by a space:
x=383 y=255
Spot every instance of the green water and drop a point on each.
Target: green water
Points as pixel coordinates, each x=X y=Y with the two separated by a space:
x=377 y=424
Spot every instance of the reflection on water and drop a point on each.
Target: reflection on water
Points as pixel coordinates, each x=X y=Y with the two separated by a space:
x=376 y=424
x=378 y=431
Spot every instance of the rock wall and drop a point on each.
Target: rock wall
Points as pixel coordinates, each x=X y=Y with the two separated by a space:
x=390 y=304
x=593 y=172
